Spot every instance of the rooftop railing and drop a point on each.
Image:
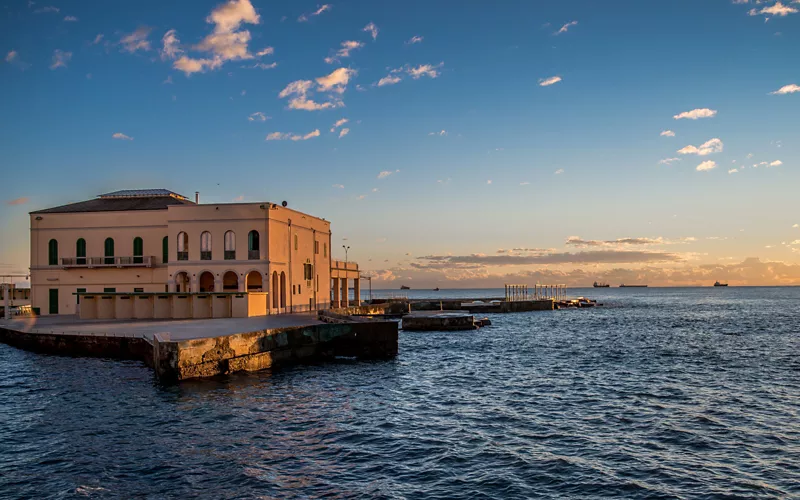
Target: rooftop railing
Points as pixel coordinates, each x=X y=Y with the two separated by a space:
x=90 y=262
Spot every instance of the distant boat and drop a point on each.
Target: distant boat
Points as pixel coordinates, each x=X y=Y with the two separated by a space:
x=600 y=285
x=436 y=289
x=633 y=286
x=717 y=283
x=405 y=287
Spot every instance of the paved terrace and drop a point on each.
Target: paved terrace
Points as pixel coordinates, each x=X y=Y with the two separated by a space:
x=184 y=329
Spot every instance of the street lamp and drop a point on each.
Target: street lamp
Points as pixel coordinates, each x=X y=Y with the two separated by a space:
x=346 y=248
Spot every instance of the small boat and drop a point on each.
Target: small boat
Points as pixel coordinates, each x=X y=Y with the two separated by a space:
x=436 y=289
x=633 y=286
x=405 y=287
x=717 y=283
x=600 y=285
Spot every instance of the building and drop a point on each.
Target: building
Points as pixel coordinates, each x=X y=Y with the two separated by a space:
x=160 y=242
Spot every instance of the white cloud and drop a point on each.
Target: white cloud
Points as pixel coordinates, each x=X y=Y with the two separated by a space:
x=733 y=171
x=787 y=89
x=668 y=161
x=338 y=186
x=776 y=163
x=440 y=133
x=226 y=42
x=711 y=146
x=546 y=82
x=97 y=39
x=775 y=10
x=267 y=51
x=336 y=81
x=385 y=174
x=333 y=83
x=263 y=66
x=170 y=50
x=706 y=165
x=566 y=27
x=343 y=132
x=696 y=114
x=121 y=136
x=414 y=39
x=280 y=136
x=347 y=47
x=796 y=226
x=258 y=116
x=559 y=171
x=425 y=70
x=372 y=30
x=361 y=197
x=44 y=10
x=136 y=40
x=667 y=133
x=304 y=17
x=71 y=19
x=375 y=190
x=11 y=56
x=339 y=123
x=60 y=59
x=388 y=80
x=489 y=181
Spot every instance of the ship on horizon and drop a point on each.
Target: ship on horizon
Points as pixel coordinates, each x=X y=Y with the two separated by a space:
x=405 y=287
x=600 y=285
x=717 y=283
x=632 y=286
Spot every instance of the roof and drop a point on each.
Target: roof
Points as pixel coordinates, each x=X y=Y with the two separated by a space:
x=121 y=201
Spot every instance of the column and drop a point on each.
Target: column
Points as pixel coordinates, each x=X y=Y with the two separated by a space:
x=345 y=300
x=357 y=288
x=335 y=293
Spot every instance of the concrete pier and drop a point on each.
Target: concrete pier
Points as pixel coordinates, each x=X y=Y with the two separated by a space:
x=439 y=322
x=184 y=349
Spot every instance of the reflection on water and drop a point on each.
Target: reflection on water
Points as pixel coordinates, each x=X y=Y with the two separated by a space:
x=663 y=393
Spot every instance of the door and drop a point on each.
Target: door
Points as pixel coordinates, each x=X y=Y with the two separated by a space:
x=54 y=301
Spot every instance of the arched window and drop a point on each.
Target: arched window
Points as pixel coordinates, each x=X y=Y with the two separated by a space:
x=109 y=251
x=230 y=245
x=183 y=246
x=253 y=248
x=138 y=250
x=80 y=251
x=165 y=249
x=205 y=246
x=52 y=253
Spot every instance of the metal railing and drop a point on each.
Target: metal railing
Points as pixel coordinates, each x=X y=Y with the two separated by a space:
x=230 y=255
x=183 y=255
x=89 y=262
x=253 y=255
x=205 y=255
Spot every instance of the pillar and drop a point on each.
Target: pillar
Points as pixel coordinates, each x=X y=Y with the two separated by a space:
x=357 y=289
x=336 y=303
x=345 y=300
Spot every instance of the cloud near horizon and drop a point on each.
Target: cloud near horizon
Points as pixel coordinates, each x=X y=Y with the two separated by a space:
x=696 y=114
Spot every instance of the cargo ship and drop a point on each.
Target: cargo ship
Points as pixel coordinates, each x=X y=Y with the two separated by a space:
x=717 y=283
x=600 y=285
x=405 y=287
x=633 y=286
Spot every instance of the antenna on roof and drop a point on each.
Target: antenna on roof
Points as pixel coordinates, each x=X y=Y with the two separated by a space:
x=197 y=197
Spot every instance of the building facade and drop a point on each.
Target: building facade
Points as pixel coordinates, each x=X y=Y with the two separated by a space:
x=157 y=241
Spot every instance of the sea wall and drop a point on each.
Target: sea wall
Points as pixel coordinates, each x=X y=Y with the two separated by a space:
x=66 y=344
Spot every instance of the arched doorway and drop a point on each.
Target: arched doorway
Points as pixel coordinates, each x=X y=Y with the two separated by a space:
x=275 y=303
x=283 y=291
x=254 y=282
x=206 y=282
x=230 y=282
x=182 y=282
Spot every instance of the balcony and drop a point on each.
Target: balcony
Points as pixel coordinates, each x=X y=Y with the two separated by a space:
x=91 y=262
x=230 y=254
x=253 y=255
x=183 y=255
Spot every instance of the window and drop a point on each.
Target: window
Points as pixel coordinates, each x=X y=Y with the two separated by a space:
x=80 y=290
x=52 y=253
x=308 y=272
x=253 y=248
x=325 y=250
x=230 y=245
x=183 y=246
x=165 y=249
x=295 y=241
x=205 y=246
x=80 y=251
x=138 y=290
x=138 y=250
x=316 y=247
x=109 y=290
x=109 y=251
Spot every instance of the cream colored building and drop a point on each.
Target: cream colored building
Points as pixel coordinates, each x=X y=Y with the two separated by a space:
x=159 y=242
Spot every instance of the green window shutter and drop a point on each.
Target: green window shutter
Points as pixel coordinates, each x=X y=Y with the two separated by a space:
x=165 y=249
x=109 y=250
x=52 y=253
x=80 y=248
x=138 y=250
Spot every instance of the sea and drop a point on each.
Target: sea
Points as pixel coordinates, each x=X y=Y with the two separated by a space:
x=688 y=393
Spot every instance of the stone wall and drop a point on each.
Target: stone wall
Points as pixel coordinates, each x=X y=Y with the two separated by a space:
x=99 y=346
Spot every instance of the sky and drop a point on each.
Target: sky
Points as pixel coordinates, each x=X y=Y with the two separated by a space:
x=451 y=143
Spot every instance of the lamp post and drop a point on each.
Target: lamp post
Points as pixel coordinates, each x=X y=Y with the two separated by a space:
x=346 y=248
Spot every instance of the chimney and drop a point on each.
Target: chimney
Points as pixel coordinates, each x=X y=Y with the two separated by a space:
x=197 y=197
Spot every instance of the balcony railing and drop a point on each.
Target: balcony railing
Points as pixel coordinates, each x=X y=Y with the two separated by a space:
x=253 y=255
x=205 y=255
x=230 y=254
x=183 y=255
x=89 y=262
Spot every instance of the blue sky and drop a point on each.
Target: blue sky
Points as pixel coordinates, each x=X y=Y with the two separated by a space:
x=459 y=106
